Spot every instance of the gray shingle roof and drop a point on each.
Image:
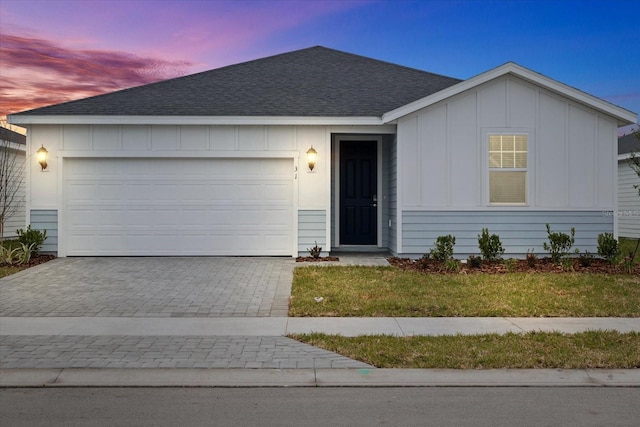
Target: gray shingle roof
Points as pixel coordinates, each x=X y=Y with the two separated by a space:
x=310 y=82
x=628 y=143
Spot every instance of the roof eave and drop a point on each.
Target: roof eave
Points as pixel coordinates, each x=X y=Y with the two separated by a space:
x=27 y=119
x=624 y=117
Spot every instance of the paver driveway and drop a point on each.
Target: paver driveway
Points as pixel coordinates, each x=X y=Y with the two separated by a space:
x=150 y=287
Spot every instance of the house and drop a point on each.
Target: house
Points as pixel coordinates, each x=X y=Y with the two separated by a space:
x=12 y=188
x=217 y=163
x=628 y=197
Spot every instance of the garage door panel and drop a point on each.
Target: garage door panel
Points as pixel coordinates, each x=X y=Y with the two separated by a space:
x=178 y=206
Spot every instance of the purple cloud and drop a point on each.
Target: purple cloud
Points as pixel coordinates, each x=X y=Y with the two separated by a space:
x=37 y=72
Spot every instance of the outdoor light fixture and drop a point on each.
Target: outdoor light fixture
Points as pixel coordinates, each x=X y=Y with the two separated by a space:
x=312 y=156
x=42 y=157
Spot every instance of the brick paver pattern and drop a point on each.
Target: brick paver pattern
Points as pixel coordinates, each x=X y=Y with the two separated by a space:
x=73 y=351
x=150 y=287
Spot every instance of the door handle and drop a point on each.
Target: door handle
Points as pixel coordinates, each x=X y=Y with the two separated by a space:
x=375 y=205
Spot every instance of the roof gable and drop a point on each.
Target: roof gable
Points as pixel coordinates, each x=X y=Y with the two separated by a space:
x=624 y=117
x=313 y=82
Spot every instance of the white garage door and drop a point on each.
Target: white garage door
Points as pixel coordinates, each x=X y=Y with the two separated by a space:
x=178 y=206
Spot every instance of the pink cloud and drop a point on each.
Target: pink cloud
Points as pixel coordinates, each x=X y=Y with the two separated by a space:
x=37 y=72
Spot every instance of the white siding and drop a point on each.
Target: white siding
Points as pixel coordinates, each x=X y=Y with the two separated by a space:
x=628 y=201
x=18 y=219
x=571 y=149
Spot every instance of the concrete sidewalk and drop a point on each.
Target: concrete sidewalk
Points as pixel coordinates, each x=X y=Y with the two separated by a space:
x=281 y=326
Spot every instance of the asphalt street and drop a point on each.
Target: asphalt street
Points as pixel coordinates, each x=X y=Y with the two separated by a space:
x=409 y=406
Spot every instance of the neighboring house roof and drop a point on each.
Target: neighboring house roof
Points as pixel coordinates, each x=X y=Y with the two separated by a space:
x=310 y=82
x=628 y=143
x=11 y=136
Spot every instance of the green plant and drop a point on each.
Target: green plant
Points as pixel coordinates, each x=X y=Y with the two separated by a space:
x=608 y=247
x=443 y=249
x=490 y=246
x=315 y=251
x=586 y=259
x=511 y=264
x=627 y=264
x=32 y=238
x=452 y=265
x=532 y=258
x=474 y=261
x=17 y=256
x=560 y=244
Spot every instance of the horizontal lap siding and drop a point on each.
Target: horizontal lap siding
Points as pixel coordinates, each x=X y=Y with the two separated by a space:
x=46 y=219
x=312 y=228
x=518 y=231
x=628 y=201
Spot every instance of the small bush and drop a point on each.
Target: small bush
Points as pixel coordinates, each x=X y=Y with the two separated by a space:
x=608 y=247
x=443 y=249
x=452 y=264
x=585 y=259
x=16 y=256
x=560 y=244
x=490 y=246
x=511 y=264
x=32 y=238
x=315 y=251
x=532 y=258
x=474 y=261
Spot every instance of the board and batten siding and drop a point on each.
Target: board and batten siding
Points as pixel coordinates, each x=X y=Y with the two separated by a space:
x=46 y=219
x=519 y=231
x=628 y=201
x=443 y=149
x=312 y=230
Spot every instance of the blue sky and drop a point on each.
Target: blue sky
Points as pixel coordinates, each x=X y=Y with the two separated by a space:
x=52 y=51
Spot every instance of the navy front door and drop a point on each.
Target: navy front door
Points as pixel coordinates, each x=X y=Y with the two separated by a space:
x=358 y=188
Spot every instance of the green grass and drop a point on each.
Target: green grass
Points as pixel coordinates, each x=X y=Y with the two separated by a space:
x=592 y=349
x=389 y=291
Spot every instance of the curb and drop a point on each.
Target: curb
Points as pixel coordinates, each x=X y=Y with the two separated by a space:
x=170 y=377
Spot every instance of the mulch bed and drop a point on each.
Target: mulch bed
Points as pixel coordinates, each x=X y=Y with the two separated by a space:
x=36 y=260
x=542 y=265
x=319 y=259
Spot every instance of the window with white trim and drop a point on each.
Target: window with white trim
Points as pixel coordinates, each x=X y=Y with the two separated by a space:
x=508 y=169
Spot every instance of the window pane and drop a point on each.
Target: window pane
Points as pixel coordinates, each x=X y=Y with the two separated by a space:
x=521 y=142
x=507 y=142
x=494 y=160
x=494 y=143
x=507 y=187
x=521 y=160
x=508 y=160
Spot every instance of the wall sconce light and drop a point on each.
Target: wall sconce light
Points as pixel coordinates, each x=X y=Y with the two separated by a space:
x=312 y=156
x=42 y=157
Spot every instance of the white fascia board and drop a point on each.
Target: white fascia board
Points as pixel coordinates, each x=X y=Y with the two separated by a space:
x=623 y=116
x=191 y=120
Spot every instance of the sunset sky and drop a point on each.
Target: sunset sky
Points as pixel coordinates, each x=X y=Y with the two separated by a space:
x=52 y=51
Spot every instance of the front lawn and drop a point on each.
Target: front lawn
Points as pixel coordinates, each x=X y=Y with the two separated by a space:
x=391 y=292
x=544 y=350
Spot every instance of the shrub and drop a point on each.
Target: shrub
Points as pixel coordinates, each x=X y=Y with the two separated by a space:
x=315 y=251
x=452 y=265
x=585 y=259
x=511 y=264
x=608 y=247
x=443 y=249
x=474 y=261
x=490 y=246
x=560 y=244
x=32 y=238
x=19 y=255
x=532 y=258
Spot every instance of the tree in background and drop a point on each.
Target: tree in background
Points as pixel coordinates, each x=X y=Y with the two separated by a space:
x=12 y=167
x=634 y=160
